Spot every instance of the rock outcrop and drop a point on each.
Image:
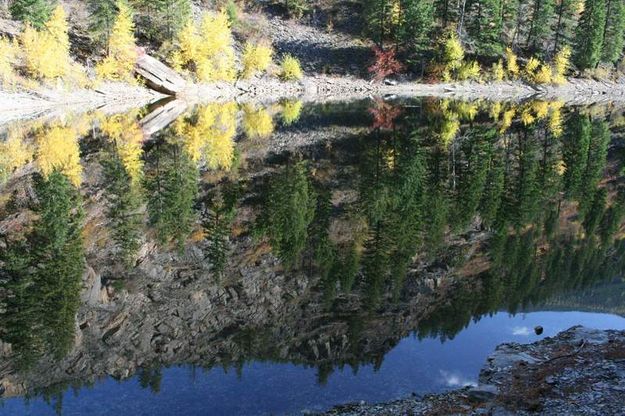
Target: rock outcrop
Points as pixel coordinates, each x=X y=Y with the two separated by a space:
x=580 y=371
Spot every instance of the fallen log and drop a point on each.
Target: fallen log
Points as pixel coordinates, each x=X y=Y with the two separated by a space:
x=159 y=76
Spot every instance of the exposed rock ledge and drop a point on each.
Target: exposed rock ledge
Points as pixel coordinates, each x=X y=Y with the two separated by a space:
x=580 y=371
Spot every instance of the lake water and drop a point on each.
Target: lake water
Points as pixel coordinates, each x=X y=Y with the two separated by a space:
x=287 y=258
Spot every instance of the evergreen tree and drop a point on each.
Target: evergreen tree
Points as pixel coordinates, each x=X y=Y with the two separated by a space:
x=613 y=34
x=124 y=200
x=162 y=19
x=486 y=27
x=540 y=23
x=575 y=153
x=378 y=17
x=35 y=12
x=217 y=221
x=43 y=274
x=417 y=23
x=589 y=36
x=171 y=183
x=102 y=14
x=288 y=211
x=565 y=24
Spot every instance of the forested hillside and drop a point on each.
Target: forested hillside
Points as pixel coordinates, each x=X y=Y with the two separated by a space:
x=539 y=41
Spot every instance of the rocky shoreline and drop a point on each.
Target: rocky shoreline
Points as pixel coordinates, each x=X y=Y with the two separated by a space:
x=114 y=97
x=580 y=371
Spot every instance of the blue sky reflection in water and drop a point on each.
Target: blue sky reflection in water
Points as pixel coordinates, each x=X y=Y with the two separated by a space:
x=266 y=388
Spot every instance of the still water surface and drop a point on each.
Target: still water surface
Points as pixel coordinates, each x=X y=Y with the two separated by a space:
x=288 y=258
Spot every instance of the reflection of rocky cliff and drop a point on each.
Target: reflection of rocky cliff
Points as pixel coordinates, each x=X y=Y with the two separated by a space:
x=326 y=255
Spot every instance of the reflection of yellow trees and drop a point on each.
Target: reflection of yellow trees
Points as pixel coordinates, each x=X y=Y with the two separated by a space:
x=555 y=120
x=528 y=113
x=449 y=127
x=209 y=136
x=257 y=122
x=526 y=117
x=14 y=153
x=291 y=111
x=506 y=120
x=124 y=131
x=57 y=149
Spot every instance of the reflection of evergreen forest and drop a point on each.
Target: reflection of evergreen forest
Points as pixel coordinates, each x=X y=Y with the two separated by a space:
x=359 y=215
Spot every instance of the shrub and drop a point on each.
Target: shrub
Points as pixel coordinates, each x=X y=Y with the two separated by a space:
x=46 y=52
x=256 y=58
x=122 y=55
x=469 y=71
x=291 y=69
x=531 y=66
x=296 y=8
x=385 y=63
x=561 y=63
x=233 y=12
x=543 y=76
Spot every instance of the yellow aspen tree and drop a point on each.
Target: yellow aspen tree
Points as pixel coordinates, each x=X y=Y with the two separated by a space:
x=206 y=50
x=512 y=65
x=9 y=51
x=256 y=58
x=561 y=64
x=46 y=52
x=216 y=49
x=122 y=50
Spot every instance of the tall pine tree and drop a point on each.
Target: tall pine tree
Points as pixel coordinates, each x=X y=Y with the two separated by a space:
x=613 y=31
x=486 y=27
x=102 y=16
x=540 y=23
x=589 y=36
x=564 y=25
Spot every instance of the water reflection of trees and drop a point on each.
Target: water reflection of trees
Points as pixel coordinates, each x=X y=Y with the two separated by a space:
x=532 y=181
x=529 y=176
x=41 y=274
